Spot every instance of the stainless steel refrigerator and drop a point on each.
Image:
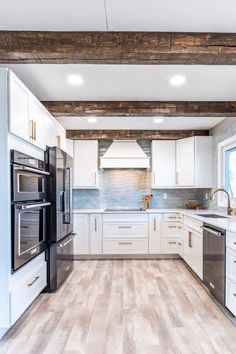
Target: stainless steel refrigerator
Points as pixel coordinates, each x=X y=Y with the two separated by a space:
x=60 y=220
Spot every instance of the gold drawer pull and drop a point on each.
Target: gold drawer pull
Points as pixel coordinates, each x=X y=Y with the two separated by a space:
x=172 y=227
x=172 y=217
x=33 y=281
x=124 y=227
x=125 y=243
x=172 y=242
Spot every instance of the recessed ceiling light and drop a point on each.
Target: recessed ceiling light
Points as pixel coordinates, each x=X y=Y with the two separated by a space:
x=75 y=80
x=177 y=80
x=92 y=120
x=158 y=120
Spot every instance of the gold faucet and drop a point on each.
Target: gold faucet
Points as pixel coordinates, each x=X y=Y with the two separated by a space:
x=229 y=208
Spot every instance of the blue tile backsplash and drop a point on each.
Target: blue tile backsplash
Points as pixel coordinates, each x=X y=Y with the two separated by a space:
x=127 y=187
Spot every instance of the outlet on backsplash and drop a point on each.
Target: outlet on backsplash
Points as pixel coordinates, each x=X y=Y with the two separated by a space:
x=164 y=195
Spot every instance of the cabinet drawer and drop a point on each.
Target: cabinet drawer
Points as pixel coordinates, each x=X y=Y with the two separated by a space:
x=127 y=217
x=173 y=217
x=231 y=240
x=125 y=230
x=231 y=264
x=193 y=224
x=171 y=229
x=122 y=246
x=230 y=300
x=26 y=292
x=171 y=245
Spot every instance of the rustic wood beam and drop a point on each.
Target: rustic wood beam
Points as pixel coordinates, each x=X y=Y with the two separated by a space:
x=141 y=108
x=133 y=134
x=117 y=48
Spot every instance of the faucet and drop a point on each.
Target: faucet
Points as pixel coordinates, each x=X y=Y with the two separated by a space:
x=229 y=208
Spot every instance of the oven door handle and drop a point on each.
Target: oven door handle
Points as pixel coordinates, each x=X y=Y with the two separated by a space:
x=216 y=233
x=30 y=169
x=33 y=206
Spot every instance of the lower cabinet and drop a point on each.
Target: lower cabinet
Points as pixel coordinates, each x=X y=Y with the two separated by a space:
x=31 y=281
x=193 y=250
x=95 y=233
x=88 y=234
x=125 y=246
x=154 y=246
x=230 y=298
x=81 y=229
x=171 y=234
x=230 y=294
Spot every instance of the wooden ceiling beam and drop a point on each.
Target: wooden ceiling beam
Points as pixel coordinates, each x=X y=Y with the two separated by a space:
x=117 y=48
x=140 y=108
x=133 y=134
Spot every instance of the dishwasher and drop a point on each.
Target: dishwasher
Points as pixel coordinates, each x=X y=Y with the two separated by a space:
x=214 y=261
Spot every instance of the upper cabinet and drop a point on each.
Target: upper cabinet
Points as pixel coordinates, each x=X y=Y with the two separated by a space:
x=18 y=108
x=86 y=164
x=29 y=119
x=182 y=163
x=163 y=163
x=185 y=161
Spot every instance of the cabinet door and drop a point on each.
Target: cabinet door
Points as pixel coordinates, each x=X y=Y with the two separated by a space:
x=36 y=123
x=18 y=108
x=155 y=233
x=60 y=137
x=197 y=254
x=81 y=229
x=185 y=162
x=95 y=234
x=163 y=164
x=50 y=130
x=86 y=164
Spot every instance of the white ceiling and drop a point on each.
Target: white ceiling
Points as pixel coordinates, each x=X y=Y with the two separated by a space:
x=119 y=15
x=129 y=82
x=140 y=123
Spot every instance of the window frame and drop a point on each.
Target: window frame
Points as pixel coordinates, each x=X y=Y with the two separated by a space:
x=224 y=146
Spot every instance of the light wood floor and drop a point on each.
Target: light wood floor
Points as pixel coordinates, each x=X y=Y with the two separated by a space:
x=114 y=307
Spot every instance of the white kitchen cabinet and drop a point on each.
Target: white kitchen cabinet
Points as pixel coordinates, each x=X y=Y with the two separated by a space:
x=185 y=169
x=50 y=130
x=182 y=163
x=155 y=233
x=163 y=163
x=36 y=123
x=60 y=137
x=95 y=234
x=230 y=297
x=81 y=229
x=70 y=147
x=193 y=250
x=86 y=164
x=18 y=108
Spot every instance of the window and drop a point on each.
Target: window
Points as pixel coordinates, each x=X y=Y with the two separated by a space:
x=227 y=170
x=230 y=171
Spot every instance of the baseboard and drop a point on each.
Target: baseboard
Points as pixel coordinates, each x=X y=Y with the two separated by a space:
x=125 y=256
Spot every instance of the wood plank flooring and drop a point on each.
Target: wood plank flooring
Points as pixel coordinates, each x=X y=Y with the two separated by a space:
x=124 y=307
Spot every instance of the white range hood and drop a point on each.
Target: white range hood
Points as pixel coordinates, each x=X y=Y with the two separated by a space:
x=125 y=154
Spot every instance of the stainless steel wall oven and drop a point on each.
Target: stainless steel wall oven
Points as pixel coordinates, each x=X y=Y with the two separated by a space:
x=29 y=207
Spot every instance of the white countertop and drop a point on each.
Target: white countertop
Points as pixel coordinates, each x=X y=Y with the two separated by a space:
x=228 y=223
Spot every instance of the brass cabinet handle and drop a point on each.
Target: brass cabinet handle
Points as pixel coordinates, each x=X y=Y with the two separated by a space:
x=172 y=242
x=33 y=281
x=172 y=227
x=124 y=227
x=172 y=217
x=155 y=224
x=58 y=141
x=34 y=130
x=177 y=178
x=190 y=239
x=125 y=243
x=31 y=129
x=95 y=224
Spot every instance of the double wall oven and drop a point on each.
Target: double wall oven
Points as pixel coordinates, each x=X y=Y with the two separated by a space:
x=29 y=205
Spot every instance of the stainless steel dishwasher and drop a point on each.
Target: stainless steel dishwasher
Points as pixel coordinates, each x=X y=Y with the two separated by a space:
x=214 y=260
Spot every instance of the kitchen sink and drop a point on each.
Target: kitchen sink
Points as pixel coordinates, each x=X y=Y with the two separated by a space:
x=214 y=216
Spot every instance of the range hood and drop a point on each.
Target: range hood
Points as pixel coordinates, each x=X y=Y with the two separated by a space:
x=125 y=154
